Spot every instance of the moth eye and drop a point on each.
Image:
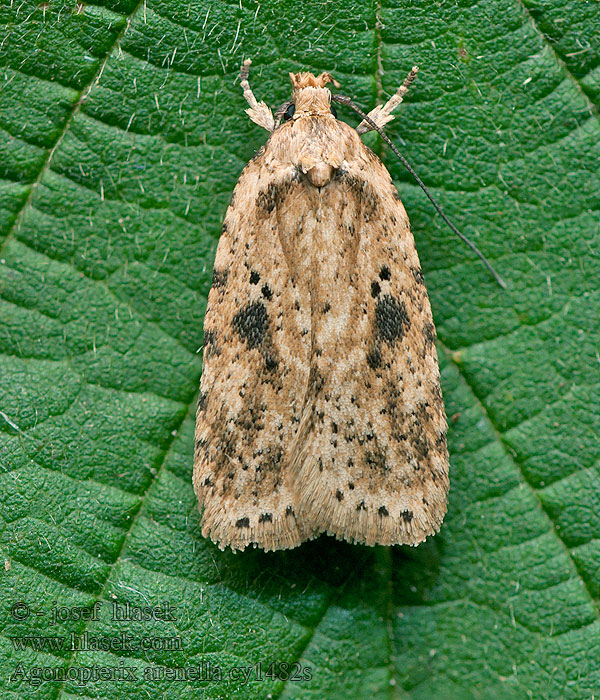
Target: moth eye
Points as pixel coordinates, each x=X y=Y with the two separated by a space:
x=333 y=111
x=289 y=112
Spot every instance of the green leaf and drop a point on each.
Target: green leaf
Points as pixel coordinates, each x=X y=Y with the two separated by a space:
x=122 y=133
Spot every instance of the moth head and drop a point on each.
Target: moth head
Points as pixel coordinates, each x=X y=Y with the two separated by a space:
x=310 y=96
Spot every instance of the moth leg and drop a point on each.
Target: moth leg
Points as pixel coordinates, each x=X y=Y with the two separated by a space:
x=259 y=112
x=382 y=114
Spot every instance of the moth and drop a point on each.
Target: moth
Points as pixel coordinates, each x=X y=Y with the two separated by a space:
x=320 y=408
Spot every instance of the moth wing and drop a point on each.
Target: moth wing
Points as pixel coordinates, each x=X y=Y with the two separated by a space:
x=370 y=456
x=256 y=364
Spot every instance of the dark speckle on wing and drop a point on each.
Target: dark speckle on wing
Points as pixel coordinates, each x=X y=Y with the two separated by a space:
x=391 y=319
x=252 y=323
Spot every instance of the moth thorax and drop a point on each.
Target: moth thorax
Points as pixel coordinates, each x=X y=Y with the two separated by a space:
x=313 y=100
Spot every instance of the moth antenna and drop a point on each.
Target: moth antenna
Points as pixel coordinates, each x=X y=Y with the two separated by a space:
x=382 y=114
x=342 y=99
x=259 y=112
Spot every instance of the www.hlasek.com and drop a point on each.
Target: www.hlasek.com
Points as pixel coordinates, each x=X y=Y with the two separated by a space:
x=124 y=641
x=84 y=675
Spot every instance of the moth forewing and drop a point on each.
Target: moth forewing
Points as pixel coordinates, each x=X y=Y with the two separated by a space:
x=320 y=407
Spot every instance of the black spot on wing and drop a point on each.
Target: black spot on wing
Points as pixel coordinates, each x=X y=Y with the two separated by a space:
x=243 y=522
x=254 y=277
x=267 y=292
x=440 y=441
x=266 y=518
x=375 y=289
x=375 y=459
x=418 y=275
x=390 y=324
x=374 y=358
x=210 y=344
x=429 y=333
x=385 y=273
x=252 y=323
x=219 y=278
x=391 y=319
x=275 y=194
x=267 y=198
x=419 y=441
x=271 y=362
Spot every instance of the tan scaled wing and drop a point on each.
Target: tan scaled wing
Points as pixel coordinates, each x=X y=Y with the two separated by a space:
x=370 y=458
x=255 y=373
